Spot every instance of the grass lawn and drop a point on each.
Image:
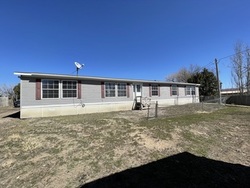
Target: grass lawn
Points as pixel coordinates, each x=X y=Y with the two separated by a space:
x=70 y=151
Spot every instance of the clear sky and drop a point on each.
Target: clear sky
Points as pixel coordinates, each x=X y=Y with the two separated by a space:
x=138 y=39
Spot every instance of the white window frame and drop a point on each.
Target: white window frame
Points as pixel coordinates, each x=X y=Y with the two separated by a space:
x=62 y=89
x=122 y=89
x=106 y=89
x=42 y=89
x=190 y=91
x=176 y=90
x=154 y=88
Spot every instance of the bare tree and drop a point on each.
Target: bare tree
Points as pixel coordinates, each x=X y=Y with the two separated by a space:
x=172 y=77
x=238 y=67
x=7 y=91
x=193 y=69
x=183 y=74
x=247 y=53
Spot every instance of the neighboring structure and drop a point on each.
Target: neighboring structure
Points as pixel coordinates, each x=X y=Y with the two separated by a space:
x=54 y=94
x=231 y=91
x=4 y=101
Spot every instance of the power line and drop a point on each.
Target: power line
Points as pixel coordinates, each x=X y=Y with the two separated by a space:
x=219 y=59
x=233 y=54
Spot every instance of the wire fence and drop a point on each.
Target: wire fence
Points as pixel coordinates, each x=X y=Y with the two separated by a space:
x=152 y=110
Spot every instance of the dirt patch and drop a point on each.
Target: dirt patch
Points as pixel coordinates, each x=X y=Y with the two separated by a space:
x=71 y=151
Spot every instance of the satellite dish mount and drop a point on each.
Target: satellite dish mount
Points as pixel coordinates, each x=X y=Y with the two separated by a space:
x=78 y=66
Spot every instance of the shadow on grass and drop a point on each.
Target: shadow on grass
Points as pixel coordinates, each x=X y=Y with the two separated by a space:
x=13 y=115
x=181 y=170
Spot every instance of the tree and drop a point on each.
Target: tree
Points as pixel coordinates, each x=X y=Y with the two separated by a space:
x=183 y=74
x=247 y=54
x=238 y=66
x=207 y=80
x=7 y=91
x=16 y=90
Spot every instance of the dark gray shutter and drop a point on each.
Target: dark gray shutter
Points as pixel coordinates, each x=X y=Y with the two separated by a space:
x=38 y=89
x=128 y=90
x=79 y=89
x=159 y=90
x=150 y=90
x=102 y=90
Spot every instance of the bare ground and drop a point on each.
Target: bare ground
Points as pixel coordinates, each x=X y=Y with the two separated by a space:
x=71 y=151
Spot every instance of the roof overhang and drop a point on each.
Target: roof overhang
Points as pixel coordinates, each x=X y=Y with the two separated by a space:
x=65 y=76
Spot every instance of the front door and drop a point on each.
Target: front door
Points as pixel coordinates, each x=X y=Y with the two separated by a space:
x=137 y=90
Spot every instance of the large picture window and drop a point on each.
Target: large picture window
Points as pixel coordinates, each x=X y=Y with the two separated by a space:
x=155 y=91
x=190 y=90
x=110 y=89
x=69 y=89
x=122 y=89
x=50 y=88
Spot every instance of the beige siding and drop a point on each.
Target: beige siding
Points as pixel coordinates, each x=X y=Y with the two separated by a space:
x=91 y=100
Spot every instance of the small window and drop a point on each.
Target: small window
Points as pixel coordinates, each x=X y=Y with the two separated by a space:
x=138 y=88
x=122 y=89
x=174 y=90
x=110 y=89
x=69 y=89
x=50 y=88
x=155 y=90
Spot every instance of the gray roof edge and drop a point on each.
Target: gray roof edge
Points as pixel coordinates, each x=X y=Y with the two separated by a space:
x=79 y=77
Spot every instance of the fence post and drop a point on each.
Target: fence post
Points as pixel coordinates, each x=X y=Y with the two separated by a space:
x=156 y=109
x=148 y=113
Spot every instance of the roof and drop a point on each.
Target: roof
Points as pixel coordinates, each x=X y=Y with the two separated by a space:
x=95 y=78
x=232 y=90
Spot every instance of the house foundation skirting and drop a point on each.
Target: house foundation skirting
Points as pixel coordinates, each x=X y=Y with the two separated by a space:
x=88 y=108
x=72 y=109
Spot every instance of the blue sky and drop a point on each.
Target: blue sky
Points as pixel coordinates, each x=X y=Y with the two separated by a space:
x=140 y=39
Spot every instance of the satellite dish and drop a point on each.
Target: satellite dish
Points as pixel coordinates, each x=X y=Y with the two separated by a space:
x=78 y=66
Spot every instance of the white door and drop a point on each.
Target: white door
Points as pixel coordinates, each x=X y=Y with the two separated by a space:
x=137 y=90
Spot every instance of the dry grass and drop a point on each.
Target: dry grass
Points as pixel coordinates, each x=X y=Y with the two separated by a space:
x=72 y=150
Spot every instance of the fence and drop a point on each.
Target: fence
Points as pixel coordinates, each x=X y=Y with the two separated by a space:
x=4 y=101
x=152 y=110
x=239 y=100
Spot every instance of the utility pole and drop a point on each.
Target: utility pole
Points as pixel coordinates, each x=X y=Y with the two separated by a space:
x=217 y=75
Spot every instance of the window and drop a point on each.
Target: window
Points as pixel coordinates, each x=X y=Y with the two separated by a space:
x=190 y=90
x=69 y=89
x=122 y=89
x=110 y=89
x=50 y=88
x=138 y=88
x=174 y=90
x=155 y=90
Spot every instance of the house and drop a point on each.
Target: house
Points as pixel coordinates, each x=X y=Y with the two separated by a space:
x=45 y=95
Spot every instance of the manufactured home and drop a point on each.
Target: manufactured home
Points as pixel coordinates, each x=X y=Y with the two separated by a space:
x=44 y=95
